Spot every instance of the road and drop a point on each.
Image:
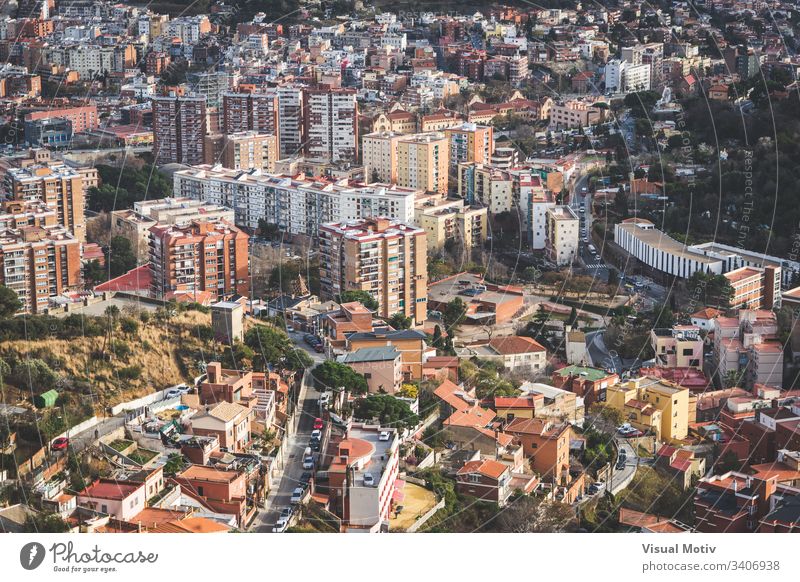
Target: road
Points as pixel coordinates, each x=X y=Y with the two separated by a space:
x=278 y=498
x=601 y=356
x=620 y=478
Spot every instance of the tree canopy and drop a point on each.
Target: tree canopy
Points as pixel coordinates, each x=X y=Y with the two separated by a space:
x=388 y=409
x=336 y=375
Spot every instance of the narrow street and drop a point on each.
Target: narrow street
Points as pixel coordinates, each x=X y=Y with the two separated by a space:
x=278 y=498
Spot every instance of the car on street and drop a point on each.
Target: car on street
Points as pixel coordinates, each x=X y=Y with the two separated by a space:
x=305 y=477
x=286 y=513
x=297 y=496
x=172 y=393
x=60 y=444
x=384 y=436
x=280 y=525
x=317 y=423
x=369 y=480
x=308 y=462
x=315 y=446
x=316 y=434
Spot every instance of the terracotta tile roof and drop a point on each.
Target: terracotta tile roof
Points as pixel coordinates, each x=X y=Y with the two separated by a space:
x=447 y=392
x=488 y=468
x=474 y=417
x=191 y=525
x=515 y=345
x=511 y=402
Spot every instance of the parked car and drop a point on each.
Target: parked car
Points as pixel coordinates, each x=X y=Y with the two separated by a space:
x=369 y=480
x=172 y=393
x=297 y=496
x=315 y=446
x=280 y=525
x=384 y=436
x=60 y=444
x=305 y=478
x=287 y=512
x=308 y=462
x=316 y=434
x=318 y=424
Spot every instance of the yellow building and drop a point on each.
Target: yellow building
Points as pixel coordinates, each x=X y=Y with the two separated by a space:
x=470 y=143
x=422 y=162
x=653 y=404
x=452 y=219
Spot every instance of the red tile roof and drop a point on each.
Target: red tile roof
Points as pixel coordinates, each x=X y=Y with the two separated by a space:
x=489 y=468
x=515 y=345
x=138 y=279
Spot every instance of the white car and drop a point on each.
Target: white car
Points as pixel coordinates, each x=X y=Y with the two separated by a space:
x=280 y=525
x=297 y=496
x=384 y=436
x=316 y=435
x=173 y=393
x=369 y=480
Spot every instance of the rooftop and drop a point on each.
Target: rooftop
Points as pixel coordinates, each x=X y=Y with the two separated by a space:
x=381 y=354
x=111 y=489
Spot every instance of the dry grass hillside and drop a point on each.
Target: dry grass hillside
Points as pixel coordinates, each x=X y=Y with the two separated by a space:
x=123 y=366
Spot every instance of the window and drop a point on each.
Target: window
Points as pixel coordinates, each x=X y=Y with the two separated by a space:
x=104 y=508
x=474 y=478
x=200 y=491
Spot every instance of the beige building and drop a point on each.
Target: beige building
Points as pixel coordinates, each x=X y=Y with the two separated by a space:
x=227 y=321
x=749 y=347
x=562 y=230
x=445 y=219
x=381 y=366
x=574 y=114
x=422 y=162
x=678 y=347
x=385 y=258
x=379 y=152
x=653 y=404
x=249 y=151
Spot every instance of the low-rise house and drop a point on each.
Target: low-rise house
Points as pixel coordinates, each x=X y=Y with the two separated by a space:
x=409 y=342
x=487 y=480
x=681 y=464
x=546 y=444
x=517 y=354
x=587 y=382
x=350 y=318
x=120 y=499
x=230 y=423
x=679 y=347
x=380 y=366
x=652 y=404
x=223 y=491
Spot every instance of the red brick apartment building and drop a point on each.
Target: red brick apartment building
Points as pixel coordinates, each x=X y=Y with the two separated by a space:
x=38 y=263
x=223 y=491
x=82 y=118
x=202 y=261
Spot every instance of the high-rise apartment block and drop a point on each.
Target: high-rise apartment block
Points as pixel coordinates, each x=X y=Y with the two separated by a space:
x=60 y=187
x=470 y=143
x=385 y=258
x=38 y=263
x=422 y=162
x=205 y=261
x=179 y=129
x=331 y=124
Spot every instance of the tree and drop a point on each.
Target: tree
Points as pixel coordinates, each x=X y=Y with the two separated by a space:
x=45 y=523
x=268 y=230
x=388 y=410
x=408 y=391
x=9 y=302
x=573 y=316
x=120 y=256
x=621 y=202
x=454 y=313
x=363 y=297
x=400 y=321
x=337 y=376
x=94 y=273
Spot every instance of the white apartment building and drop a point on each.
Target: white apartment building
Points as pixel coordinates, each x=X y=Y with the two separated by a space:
x=562 y=229
x=297 y=205
x=331 y=125
x=379 y=155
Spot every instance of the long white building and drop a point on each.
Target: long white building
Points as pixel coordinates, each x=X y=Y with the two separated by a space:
x=639 y=238
x=298 y=205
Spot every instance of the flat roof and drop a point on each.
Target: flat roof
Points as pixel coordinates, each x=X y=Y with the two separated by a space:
x=657 y=239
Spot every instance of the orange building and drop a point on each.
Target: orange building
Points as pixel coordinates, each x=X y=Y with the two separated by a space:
x=38 y=263
x=202 y=261
x=546 y=445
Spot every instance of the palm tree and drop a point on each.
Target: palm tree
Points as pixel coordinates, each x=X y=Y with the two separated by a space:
x=111 y=312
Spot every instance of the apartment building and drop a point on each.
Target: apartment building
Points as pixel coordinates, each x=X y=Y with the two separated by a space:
x=203 y=261
x=754 y=288
x=179 y=129
x=470 y=143
x=652 y=404
x=379 y=154
x=748 y=347
x=246 y=150
x=331 y=124
x=363 y=476
x=39 y=263
x=15 y=214
x=651 y=55
x=60 y=187
x=422 y=162
x=445 y=220
x=562 y=231
x=297 y=205
x=82 y=118
x=678 y=347
x=386 y=258
x=574 y=113
x=292 y=126
x=135 y=224
x=256 y=112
